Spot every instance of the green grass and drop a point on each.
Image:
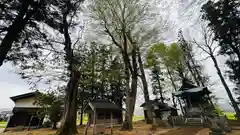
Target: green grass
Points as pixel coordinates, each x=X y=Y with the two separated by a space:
x=137 y=118
x=85 y=119
x=3 y=124
x=230 y=116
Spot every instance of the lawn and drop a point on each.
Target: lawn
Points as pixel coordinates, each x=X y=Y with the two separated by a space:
x=85 y=119
x=3 y=124
x=140 y=128
x=230 y=116
x=138 y=118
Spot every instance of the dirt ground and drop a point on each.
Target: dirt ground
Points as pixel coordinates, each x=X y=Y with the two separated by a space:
x=140 y=128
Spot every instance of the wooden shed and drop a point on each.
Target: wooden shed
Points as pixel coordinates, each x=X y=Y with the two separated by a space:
x=24 y=111
x=102 y=114
x=161 y=110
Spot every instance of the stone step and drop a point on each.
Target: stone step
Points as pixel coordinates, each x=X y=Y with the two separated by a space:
x=194 y=121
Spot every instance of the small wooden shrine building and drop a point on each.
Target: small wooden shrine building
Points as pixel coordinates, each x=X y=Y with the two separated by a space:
x=103 y=110
x=103 y=113
x=161 y=110
x=196 y=99
x=24 y=111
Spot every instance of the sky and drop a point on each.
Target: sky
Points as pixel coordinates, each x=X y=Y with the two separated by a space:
x=11 y=84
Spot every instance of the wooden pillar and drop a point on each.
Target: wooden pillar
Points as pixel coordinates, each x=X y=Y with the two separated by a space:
x=181 y=107
x=29 y=124
x=186 y=103
x=111 y=124
x=40 y=121
x=94 y=121
x=88 y=125
x=190 y=102
x=210 y=100
x=104 y=119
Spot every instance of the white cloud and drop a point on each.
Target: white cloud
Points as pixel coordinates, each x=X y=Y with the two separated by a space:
x=10 y=85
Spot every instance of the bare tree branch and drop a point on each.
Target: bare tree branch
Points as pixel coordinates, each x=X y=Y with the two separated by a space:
x=200 y=46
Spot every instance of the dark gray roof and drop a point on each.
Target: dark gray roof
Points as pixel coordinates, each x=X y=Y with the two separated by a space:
x=162 y=106
x=187 y=84
x=6 y=112
x=153 y=102
x=103 y=104
x=26 y=95
x=193 y=90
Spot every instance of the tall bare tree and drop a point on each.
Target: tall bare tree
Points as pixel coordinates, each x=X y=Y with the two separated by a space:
x=125 y=22
x=209 y=46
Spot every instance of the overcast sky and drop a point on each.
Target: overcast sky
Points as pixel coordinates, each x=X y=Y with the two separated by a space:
x=11 y=84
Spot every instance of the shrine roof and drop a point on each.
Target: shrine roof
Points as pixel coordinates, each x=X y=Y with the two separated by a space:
x=192 y=90
x=160 y=105
x=103 y=104
x=187 y=84
x=23 y=96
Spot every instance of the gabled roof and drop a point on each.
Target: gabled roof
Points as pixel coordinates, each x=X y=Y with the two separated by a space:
x=152 y=102
x=6 y=112
x=193 y=90
x=187 y=84
x=26 y=95
x=188 y=87
x=159 y=105
x=103 y=104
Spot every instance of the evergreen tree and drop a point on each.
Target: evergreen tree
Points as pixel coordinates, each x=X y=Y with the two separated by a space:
x=20 y=29
x=224 y=21
x=50 y=105
x=157 y=83
x=193 y=66
x=171 y=58
x=208 y=47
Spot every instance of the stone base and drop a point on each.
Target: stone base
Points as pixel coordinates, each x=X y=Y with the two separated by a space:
x=228 y=130
x=216 y=130
x=216 y=133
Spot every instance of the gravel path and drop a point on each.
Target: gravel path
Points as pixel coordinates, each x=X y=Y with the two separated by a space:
x=184 y=131
x=204 y=131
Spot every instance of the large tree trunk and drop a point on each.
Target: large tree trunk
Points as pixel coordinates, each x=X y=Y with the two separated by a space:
x=145 y=89
x=127 y=124
x=15 y=29
x=160 y=89
x=68 y=126
x=235 y=106
x=81 y=115
x=130 y=104
x=131 y=96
